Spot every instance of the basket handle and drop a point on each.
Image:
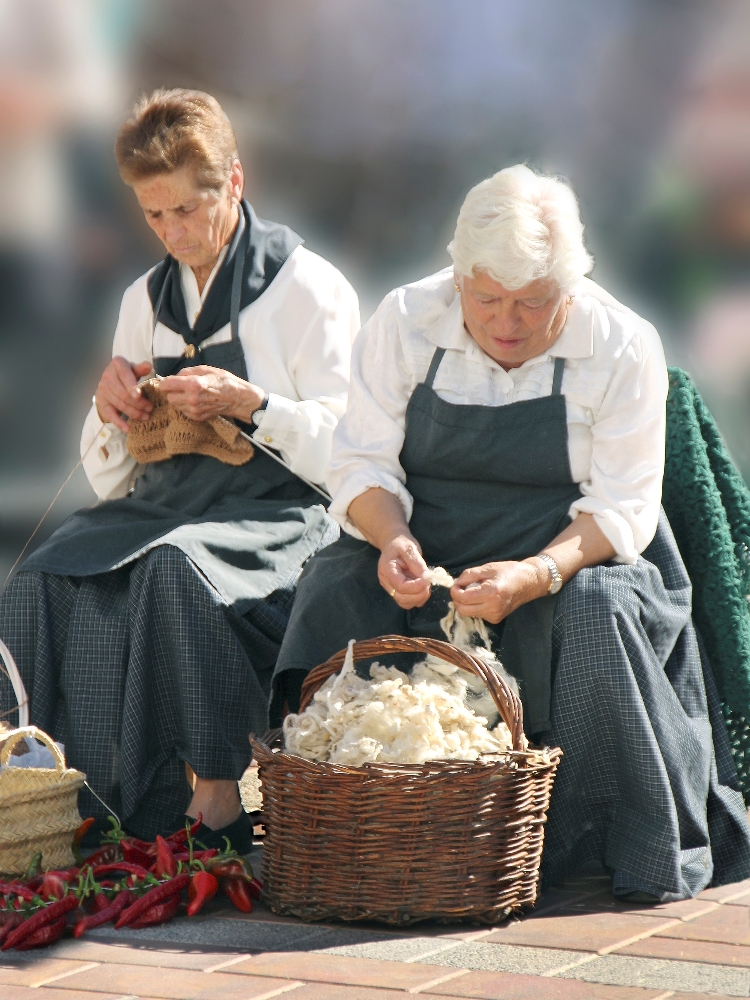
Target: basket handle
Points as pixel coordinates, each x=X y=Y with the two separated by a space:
x=508 y=703
x=18 y=734
x=15 y=679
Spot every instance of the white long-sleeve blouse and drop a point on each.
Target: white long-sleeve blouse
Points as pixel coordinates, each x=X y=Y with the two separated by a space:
x=297 y=339
x=615 y=386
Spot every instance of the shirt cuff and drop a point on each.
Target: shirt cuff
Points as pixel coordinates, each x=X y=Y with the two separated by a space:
x=359 y=483
x=276 y=421
x=615 y=528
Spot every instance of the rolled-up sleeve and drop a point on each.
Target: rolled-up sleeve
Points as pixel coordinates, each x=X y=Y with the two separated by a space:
x=623 y=491
x=368 y=440
x=316 y=322
x=109 y=466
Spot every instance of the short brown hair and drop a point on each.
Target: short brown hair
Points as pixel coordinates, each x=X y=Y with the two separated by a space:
x=172 y=129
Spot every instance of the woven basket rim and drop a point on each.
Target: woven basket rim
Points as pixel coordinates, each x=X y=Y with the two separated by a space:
x=530 y=758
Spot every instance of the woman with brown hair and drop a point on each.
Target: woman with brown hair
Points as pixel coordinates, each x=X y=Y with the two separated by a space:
x=146 y=629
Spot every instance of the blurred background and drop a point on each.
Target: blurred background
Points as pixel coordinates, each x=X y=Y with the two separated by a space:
x=361 y=124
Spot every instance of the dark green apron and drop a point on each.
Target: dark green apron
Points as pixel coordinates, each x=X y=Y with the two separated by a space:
x=248 y=528
x=489 y=483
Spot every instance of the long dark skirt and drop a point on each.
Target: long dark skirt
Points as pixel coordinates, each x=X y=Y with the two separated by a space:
x=647 y=785
x=140 y=670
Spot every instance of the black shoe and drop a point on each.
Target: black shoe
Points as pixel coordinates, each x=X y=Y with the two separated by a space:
x=239 y=834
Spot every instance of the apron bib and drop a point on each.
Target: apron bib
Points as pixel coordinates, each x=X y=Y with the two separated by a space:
x=248 y=528
x=492 y=483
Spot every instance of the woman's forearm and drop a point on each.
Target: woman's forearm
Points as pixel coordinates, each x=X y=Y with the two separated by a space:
x=581 y=544
x=380 y=517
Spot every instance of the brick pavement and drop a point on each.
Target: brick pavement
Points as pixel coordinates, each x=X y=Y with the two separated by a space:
x=579 y=944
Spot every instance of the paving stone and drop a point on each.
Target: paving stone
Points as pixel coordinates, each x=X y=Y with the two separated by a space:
x=504 y=986
x=711 y=952
x=506 y=958
x=743 y=900
x=577 y=932
x=338 y=969
x=605 y=902
x=28 y=993
x=728 y=924
x=722 y=891
x=171 y=984
x=32 y=970
x=393 y=949
x=690 y=977
x=329 y=991
x=142 y=953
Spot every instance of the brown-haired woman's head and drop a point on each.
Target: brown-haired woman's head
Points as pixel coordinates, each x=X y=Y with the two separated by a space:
x=171 y=129
x=178 y=153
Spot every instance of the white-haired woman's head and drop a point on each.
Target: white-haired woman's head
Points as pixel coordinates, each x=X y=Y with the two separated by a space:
x=519 y=226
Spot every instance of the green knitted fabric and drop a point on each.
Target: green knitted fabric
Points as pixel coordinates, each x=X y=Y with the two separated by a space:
x=708 y=506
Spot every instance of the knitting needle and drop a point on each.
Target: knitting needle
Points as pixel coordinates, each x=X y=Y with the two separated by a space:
x=272 y=454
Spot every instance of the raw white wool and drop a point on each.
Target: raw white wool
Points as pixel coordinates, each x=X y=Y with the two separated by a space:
x=440 y=577
x=392 y=718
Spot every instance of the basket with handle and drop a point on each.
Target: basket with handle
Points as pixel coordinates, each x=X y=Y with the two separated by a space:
x=399 y=843
x=38 y=805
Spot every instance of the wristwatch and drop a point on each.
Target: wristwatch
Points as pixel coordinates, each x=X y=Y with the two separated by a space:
x=557 y=580
x=257 y=414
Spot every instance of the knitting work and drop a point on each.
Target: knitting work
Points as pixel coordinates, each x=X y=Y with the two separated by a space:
x=168 y=432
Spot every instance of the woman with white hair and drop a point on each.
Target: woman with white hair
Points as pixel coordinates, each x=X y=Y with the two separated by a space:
x=506 y=420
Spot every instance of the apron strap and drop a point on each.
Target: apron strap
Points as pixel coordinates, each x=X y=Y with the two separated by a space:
x=558 y=376
x=239 y=265
x=437 y=357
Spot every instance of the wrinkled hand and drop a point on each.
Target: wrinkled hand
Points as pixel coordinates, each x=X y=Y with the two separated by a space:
x=117 y=396
x=203 y=392
x=495 y=590
x=401 y=571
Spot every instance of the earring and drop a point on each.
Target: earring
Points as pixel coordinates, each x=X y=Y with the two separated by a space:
x=570 y=298
x=456 y=287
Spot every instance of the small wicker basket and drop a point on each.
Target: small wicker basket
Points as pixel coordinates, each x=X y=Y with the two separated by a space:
x=396 y=843
x=38 y=808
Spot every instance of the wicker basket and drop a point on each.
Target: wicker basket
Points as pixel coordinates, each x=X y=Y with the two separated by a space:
x=38 y=808
x=445 y=840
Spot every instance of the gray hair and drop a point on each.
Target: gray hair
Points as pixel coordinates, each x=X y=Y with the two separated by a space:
x=518 y=226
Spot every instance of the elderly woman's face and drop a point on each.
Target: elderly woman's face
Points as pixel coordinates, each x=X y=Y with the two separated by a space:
x=192 y=222
x=512 y=326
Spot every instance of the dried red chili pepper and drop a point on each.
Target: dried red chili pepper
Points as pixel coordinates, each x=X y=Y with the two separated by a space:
x=230 y=868
x=41 y=918
x=122 y=866
x=156 y=895
x=104 y=856
x=52 y=886
x=181 y=836
x=82 y=830
x=203 y=856
x=135 y=855
x=111 y=911
x=238 y=891
x=158 y=914
x=46 y=935
x=203 y=886
x=165 y=866
x=16 y=889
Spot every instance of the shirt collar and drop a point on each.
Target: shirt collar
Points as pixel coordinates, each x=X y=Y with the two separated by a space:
x=575 y=341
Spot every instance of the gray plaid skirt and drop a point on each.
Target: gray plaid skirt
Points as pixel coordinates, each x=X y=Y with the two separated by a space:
x=647 y=785
x=140 y=670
